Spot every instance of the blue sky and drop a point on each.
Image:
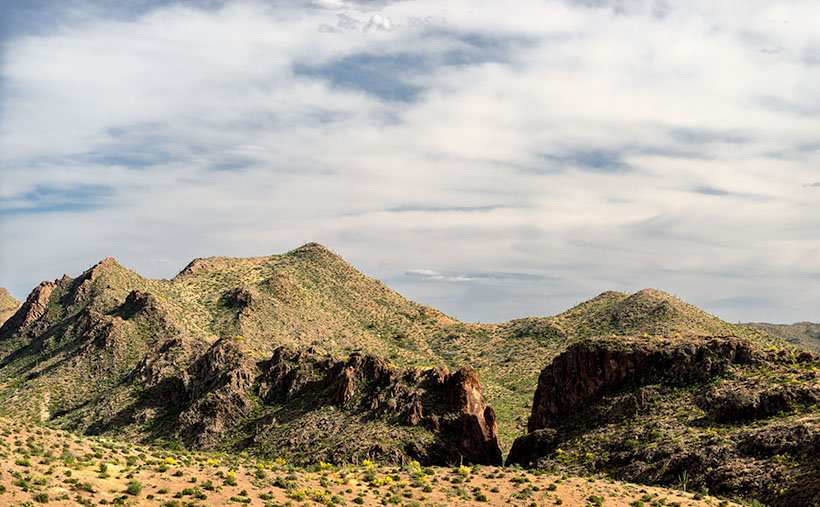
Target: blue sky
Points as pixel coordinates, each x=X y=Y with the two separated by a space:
x=494 y=160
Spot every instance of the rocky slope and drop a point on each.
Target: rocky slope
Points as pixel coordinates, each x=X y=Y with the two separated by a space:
x=86 y=353
x=307 y=406
x=8 y=305
x=802 y=334
x=716 y=414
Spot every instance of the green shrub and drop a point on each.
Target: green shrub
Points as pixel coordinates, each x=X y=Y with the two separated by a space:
x=134 y=487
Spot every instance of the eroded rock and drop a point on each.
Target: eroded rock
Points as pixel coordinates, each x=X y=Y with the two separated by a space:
x=590 y=369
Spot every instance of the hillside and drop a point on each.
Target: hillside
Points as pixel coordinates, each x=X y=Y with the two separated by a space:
x=714 y=414
x=510 y=355
x=802 y=334
x=8 y=305
x=113 y=352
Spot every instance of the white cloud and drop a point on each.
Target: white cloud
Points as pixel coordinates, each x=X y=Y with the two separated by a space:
x=429 y=274
x=378 y=22
x=589 y=147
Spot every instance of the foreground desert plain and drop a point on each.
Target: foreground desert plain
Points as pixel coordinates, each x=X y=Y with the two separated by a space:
x=44 y=466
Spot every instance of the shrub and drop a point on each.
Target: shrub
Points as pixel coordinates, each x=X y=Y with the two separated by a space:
x=134 y=487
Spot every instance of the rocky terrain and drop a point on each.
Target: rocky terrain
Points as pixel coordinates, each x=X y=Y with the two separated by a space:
x=81 y=350
x=301 y=357
x=711 y=414
x=8 y=305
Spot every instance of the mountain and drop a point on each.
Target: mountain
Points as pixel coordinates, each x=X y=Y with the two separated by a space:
x=802 y=334
x=203 y=359
x=8 y=305
x=510 y=355
x=195 y=359
x=708 y=414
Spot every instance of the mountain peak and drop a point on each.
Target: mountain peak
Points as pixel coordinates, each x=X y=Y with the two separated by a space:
x=314 y=250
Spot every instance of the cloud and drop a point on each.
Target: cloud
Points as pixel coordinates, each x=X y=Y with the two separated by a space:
x=52 y=199
x=378 y=22
x=707 y=190
x=429 y=274
x=534 y=155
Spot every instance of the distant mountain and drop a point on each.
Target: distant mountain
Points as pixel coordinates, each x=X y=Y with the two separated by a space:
x=113 y=352
x=803 y=334
x=8 y=305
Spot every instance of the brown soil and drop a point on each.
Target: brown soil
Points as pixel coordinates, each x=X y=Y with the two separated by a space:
x=41 y=465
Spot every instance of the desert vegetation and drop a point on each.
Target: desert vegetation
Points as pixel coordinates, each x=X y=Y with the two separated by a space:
x=47 y=466
x=270 y=367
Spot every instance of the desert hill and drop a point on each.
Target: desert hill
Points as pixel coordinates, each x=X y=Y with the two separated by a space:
x=110 y=352
x=802 y=334
x=8 y=305
x=714 y=414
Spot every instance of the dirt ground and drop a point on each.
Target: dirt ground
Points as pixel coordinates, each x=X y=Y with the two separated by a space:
x=43 y=466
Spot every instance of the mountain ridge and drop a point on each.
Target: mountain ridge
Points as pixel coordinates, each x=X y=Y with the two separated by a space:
x=804 y=334
x=110 y=319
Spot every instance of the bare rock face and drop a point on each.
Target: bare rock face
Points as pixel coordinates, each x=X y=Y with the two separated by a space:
x=571 y=388
x=239 y=297
x=32 y=309
x=450 y=405
x=595 y=368
x=479 y=431
x=218 y=385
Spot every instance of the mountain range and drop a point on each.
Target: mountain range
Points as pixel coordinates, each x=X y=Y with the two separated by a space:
x=301 y=355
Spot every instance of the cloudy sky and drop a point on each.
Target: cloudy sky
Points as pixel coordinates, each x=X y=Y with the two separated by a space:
x=493 y=159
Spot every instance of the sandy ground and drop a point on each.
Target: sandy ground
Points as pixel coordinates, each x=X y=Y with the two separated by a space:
x=47 y=467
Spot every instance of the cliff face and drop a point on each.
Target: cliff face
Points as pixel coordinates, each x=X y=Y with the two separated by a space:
x=32 y=309
x=589 y=370
x=700 y=413
x=275 y=400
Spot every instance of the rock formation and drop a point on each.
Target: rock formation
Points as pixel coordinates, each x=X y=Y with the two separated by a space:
x=592 y=369
x=32 y=309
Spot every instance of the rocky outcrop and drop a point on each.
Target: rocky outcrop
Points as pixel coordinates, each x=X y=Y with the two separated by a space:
x=448 y=405
x=595 y=368
x=475 y=424
x=527 y=449
x=698 y=413
x=32 y=309
x=313 y=405
x=218 y=385
x=239 y=297
x=738 y=404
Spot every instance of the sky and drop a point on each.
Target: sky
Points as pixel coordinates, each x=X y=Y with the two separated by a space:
x=493 y=159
